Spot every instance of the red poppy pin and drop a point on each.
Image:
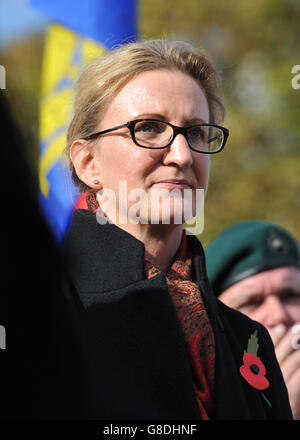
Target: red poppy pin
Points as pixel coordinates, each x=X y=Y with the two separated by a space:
x=253 y=369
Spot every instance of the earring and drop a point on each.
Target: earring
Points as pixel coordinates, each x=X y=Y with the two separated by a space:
x=91 y=201
x=96 y=181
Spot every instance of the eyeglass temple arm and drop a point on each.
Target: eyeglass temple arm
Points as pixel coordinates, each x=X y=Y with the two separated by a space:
x=92 y=136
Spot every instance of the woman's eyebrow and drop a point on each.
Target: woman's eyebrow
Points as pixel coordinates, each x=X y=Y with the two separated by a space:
x=151 y=116
x=195 y=121
x=163 y=118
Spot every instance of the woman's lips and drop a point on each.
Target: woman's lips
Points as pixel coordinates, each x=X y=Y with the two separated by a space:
x=173 y=184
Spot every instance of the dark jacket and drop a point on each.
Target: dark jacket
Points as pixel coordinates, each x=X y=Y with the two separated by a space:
x=134 y=352
x=38 y=307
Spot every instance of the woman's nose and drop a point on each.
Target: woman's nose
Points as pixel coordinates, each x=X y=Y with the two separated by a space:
x=179 y=152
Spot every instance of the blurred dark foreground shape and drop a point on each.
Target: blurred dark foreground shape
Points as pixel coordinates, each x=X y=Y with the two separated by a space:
x=41 y=362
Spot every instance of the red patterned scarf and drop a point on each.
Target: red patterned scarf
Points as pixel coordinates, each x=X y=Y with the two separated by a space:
x=195 y=324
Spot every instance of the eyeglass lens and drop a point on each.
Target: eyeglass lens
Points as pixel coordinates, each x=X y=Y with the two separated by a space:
x=156 y=134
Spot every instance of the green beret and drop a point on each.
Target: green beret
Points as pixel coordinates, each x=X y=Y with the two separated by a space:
x=248 y=248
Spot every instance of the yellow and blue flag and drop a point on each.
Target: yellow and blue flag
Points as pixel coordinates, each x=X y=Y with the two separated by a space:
x=80 y=32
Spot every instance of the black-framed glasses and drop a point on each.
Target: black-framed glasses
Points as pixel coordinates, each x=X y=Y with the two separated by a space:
x=157 y=134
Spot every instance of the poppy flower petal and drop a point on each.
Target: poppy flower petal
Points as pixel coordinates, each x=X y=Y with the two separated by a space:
x=250 y=359
x=258 y=381
x=253 y=371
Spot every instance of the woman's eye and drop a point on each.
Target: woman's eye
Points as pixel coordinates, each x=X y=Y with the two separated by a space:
x=196 y=133
x=146 y=127
x=149 y=127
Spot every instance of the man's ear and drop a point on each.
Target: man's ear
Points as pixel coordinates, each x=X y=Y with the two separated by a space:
x=82 y=155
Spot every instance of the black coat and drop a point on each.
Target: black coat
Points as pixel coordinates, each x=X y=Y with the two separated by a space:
x=38 y=307
x=135 y=358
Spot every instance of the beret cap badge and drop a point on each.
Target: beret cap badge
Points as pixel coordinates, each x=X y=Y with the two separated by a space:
x=277 y=243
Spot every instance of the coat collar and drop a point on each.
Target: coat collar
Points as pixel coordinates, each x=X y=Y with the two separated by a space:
x=94 y=252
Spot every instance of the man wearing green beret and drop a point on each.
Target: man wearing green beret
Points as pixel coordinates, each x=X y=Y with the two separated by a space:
x=254 y=267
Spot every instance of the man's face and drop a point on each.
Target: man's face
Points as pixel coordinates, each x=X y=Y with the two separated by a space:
x=271 y=297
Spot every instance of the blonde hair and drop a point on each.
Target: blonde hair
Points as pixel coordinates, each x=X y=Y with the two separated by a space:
x=100 y=81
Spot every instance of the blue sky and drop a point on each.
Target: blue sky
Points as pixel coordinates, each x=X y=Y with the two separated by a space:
x=18 y=19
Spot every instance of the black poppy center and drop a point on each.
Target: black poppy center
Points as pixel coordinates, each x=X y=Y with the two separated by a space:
x=254 y=368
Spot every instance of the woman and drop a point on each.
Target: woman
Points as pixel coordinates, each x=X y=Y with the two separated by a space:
x=158 y=344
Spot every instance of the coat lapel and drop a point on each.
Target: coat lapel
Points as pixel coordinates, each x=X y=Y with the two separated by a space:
x=230 y=390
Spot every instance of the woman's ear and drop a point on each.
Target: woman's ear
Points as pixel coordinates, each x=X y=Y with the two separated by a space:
x=82 y=155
